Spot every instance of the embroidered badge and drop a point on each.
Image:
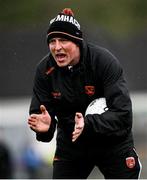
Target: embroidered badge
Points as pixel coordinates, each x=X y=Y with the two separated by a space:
x=56 y=94
x=130 y=162
x=90 y=90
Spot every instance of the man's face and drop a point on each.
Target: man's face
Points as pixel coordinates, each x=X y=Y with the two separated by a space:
x=65 y=52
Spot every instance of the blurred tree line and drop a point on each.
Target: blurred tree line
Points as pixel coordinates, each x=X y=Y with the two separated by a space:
x=119 y=17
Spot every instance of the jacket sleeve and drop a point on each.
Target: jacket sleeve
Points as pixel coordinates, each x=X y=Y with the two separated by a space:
x=40 y=96
x=117 y=121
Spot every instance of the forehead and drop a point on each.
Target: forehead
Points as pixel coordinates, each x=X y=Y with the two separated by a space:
x=59 y=38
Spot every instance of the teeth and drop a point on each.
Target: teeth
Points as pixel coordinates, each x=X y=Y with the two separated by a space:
x=60 y=55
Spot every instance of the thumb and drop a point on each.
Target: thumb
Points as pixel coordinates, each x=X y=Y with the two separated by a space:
x=78 y=114
x=77 y=117
x=43 y=109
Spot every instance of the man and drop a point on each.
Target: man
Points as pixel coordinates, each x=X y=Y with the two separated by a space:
x=66 y=81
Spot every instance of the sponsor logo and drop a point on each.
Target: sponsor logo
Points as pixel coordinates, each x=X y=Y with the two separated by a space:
x=90 y=90
x=66 y=18
x=130 y=162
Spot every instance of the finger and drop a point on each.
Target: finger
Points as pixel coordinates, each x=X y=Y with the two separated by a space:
x=77 y=131
x=78 y=127
x=33 y=123
x=33 y=116
x=32 y=127
x=31 y=120
x=75 y=135
x=74 y=138
x=43 y=109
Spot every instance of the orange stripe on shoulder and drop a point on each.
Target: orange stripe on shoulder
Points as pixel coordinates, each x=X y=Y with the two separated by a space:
x=49 y=70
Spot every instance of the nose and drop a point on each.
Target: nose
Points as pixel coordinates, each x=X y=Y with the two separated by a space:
x=57 y=45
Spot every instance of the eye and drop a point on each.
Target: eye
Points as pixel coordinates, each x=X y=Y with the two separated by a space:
x=64 y=40
x=51 y=41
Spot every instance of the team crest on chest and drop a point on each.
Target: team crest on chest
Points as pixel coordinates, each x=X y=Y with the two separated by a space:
x=130 y=162
x=56 y=95
x=90 y=90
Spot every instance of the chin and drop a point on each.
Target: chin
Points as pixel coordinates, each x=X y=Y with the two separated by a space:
x=62 y=64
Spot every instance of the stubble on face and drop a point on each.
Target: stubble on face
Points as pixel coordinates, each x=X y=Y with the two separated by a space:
x=65 y=52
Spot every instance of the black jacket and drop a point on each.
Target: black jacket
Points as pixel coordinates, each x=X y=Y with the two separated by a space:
x=67 y=90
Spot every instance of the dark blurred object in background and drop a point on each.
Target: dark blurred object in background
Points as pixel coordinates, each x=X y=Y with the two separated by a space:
x=5 y=162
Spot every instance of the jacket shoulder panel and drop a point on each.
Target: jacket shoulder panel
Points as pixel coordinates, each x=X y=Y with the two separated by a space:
x=103 y=62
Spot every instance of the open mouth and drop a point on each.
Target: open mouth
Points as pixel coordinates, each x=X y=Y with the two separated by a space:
x=60 y=56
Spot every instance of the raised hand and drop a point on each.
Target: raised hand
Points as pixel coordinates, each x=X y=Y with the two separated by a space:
x=40 y=122
x=79 y=126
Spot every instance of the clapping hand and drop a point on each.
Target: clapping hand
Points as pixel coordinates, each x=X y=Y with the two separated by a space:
x=40 y=122
x=79 y=126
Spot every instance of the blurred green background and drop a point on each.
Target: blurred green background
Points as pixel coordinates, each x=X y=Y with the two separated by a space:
x=119 y=25
x=119 y=17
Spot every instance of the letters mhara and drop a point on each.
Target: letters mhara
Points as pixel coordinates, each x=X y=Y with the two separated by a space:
x=66 y=18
